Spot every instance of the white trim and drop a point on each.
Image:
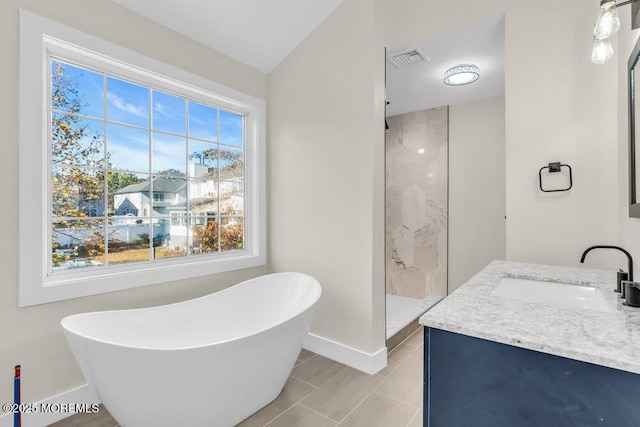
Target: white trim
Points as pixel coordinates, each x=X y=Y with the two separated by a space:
x=39 y=37
x=80 y=395
x=365 y=362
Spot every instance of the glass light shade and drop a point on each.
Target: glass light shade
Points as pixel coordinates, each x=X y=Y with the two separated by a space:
x=602 y=51
x=608 y=22
x=461 y=75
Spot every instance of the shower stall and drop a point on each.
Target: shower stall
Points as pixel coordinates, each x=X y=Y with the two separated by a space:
x=416 y=216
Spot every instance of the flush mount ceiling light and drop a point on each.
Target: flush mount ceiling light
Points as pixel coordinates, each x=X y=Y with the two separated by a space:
x=462 y=74
x=607 y=24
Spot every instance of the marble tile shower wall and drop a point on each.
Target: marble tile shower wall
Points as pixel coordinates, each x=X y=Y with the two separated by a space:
x=416 y=203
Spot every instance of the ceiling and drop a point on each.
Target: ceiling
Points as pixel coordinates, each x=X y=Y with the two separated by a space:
x=258 y=33
x=261 y=33
x=420 y=86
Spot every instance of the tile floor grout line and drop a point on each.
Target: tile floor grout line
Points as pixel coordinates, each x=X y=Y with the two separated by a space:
x=404 y=342
x=274 y=418
x=398 y=400
x=408 y=345
x=413 y=418
x=308 y=359
x=336 y=374
x=291 y=406
x=398 y=346
x=394 y=369
x=417 y=350
x=313 y=410
x=409 y=337
x=358 y=405
x=318 y=386
x=417 y=347
x=279 y=415
x=389 y=376
x=304 y=360
x=314 y=386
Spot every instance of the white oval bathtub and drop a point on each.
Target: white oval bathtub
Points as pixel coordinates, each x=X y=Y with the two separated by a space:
x=210 y=361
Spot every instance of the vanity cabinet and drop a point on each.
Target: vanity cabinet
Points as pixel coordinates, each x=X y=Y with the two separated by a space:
x=475 y=382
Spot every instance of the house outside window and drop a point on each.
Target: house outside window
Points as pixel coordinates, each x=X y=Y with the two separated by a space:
x=145 y=172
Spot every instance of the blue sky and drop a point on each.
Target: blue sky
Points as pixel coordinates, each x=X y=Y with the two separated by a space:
x=132 y=104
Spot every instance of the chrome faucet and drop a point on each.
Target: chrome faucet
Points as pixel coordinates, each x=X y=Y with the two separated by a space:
x=621 y=274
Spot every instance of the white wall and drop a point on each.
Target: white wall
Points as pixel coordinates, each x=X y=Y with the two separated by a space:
x=326 y=173
x=559 y=107
x=32 y=336
x=477 y=199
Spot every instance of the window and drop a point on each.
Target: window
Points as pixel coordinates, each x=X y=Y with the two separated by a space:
x=142 y=172
x=114 y=143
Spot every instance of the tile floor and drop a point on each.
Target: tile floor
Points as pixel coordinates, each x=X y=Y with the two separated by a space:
x=321 y=392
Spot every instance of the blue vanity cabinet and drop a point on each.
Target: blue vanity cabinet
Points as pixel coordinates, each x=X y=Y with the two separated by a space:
x=472 y=382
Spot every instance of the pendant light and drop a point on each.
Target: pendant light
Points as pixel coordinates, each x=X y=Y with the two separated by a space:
x=607 y=25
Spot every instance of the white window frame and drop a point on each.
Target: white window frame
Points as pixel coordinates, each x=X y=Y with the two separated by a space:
x=41 y=38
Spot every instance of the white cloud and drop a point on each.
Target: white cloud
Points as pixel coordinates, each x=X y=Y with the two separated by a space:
x=125 y=158
x=120 y=104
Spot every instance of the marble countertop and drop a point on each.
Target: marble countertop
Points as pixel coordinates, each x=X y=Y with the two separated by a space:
x=608 y=339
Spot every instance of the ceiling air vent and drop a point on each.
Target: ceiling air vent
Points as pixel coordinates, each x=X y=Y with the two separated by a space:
x=408 y=57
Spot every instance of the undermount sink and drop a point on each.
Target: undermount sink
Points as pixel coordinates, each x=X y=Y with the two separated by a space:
x=553 y=293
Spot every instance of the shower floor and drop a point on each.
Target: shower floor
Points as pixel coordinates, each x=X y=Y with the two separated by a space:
x=403 y=310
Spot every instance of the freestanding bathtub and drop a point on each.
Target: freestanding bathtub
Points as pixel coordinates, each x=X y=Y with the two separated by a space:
x=210 y=361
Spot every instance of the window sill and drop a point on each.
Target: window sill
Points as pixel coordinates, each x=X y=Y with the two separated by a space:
x=66 y=285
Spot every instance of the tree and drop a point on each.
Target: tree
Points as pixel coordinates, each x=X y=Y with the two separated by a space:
x=231 y=234
x=76 y=192
x=73 y=144
x=78 y=178
x=171 y=172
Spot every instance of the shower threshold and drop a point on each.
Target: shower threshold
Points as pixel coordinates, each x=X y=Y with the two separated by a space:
x=401 y=311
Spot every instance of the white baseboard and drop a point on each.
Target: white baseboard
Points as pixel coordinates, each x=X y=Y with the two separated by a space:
x=365 y=362
x=80 y=395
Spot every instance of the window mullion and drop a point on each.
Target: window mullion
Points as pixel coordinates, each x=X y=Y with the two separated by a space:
x=105 y=168
x=218 y=185
x=49 y=168
x=189 y=177
x=151 y=177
